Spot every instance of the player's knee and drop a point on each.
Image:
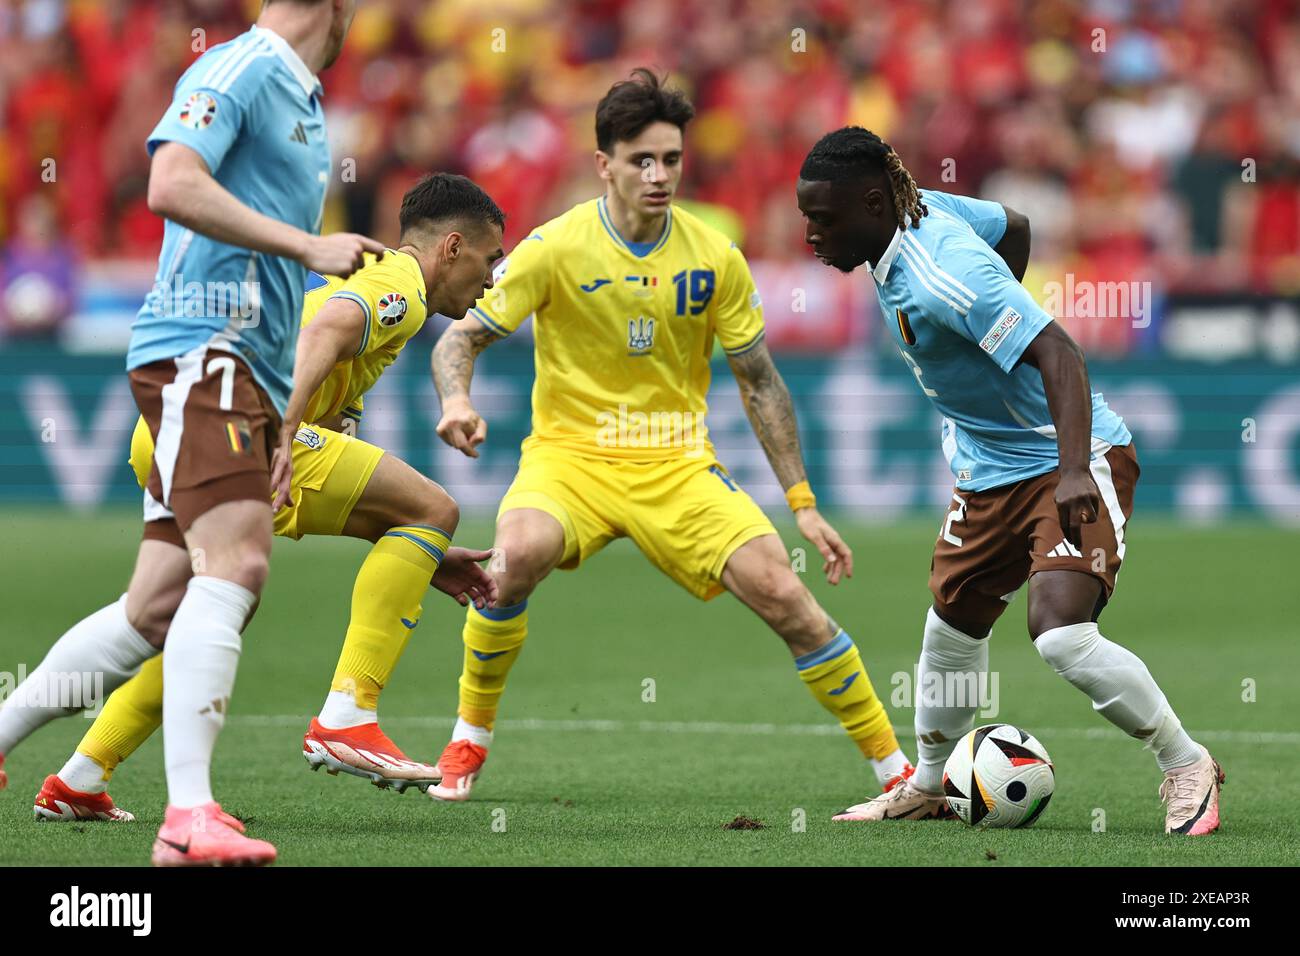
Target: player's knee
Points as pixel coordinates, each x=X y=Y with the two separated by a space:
x=249 y=567
x=154 y=617
x=516 y=578
x=432 y=506
x=783 y=600
x=519 y=568
x=1044 y=617
x=513 y=590
x=441 y=511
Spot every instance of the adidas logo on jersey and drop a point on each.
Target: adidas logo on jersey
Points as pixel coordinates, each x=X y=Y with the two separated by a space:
x=299 y=134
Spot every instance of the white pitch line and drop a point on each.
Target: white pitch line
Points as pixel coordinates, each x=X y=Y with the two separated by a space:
x=1288 y=738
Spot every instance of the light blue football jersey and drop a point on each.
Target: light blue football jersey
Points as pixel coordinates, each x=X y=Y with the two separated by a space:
x=961 y=322
x=988 y=219
x=251 y=108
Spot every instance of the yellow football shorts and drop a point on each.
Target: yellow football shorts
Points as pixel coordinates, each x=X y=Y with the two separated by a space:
x=330 y=471
x=686 y=515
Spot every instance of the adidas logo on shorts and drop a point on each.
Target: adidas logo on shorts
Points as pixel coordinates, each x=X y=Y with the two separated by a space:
x=1064 y=550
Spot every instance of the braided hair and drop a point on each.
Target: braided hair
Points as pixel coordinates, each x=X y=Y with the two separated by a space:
x=852 y=152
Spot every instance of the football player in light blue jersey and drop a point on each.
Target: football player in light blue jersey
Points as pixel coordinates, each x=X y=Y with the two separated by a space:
x=1045 y=471
x=239 y=171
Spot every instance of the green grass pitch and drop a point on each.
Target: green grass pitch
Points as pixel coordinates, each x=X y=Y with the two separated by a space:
x=585 y=771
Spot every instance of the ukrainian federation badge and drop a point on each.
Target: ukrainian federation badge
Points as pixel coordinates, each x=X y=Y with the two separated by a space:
x=199 y=111
x=310 y=437
x=640 y=335
x=392 y=308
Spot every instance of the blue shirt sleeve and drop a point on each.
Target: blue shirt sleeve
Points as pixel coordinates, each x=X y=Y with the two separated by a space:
x=212 y=103
x=988 y=219
x=983 y=303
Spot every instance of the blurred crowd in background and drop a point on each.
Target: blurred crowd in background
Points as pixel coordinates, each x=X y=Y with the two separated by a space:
x=1153 y=140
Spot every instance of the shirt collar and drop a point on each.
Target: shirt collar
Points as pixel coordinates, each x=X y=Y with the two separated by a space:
x=881 y=269
x=310 y=84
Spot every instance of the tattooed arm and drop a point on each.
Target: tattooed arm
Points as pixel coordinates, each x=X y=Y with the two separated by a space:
x=453 y=368
x=771 y=415
x=771 y=412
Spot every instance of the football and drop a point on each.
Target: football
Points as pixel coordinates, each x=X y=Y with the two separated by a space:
x=999 y=776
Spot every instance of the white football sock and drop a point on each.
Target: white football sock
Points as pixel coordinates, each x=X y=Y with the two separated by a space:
x=1121 y=688
x=82 y=773
x=887 y=768
x=199 y=667
x=941 y=722
x=341 y=710
x=96 y=656
x=471 y=732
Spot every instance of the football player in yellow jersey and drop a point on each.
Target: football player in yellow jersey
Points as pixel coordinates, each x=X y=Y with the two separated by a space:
x=328 y=482
x=629 y=293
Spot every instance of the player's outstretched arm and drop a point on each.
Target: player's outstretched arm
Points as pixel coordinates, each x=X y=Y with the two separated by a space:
x=1013 y=247
x=1069 y=398
x=334 y=333
x=461 y=426
x=771 y=414
x=182 y=189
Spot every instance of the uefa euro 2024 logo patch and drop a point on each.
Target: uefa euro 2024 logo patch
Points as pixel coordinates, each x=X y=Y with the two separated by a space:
x=199 y=111
x=392 y=308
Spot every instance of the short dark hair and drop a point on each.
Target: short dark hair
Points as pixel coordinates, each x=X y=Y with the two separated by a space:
x=851 y=153
x=447 y=197
x=632 y=105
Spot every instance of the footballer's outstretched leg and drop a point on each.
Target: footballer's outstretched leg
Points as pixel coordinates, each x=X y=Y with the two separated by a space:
x=1063 y=608
x=826 y=658
x=411 y=520
x=529 y=544
x=112 y=644
x=950 y=658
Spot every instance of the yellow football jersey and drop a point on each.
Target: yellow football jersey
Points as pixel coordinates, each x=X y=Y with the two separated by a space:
x=391 y=294
x=623 y=341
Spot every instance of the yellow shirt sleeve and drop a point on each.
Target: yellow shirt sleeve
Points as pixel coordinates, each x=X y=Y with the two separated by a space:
x=738 y=310
x=391 y=295
x=521 y=286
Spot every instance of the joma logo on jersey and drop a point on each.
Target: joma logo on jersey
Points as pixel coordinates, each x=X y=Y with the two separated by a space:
x=640 y=335
x=392 y=308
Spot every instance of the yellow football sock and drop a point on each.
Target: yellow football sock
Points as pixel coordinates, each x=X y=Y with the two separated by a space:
x=130 y=716
x=493 y=639
x=835 y=675
x=386 y=608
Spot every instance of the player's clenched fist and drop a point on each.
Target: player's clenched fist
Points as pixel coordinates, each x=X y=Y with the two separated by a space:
x=339 y=254
x=461 y=427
